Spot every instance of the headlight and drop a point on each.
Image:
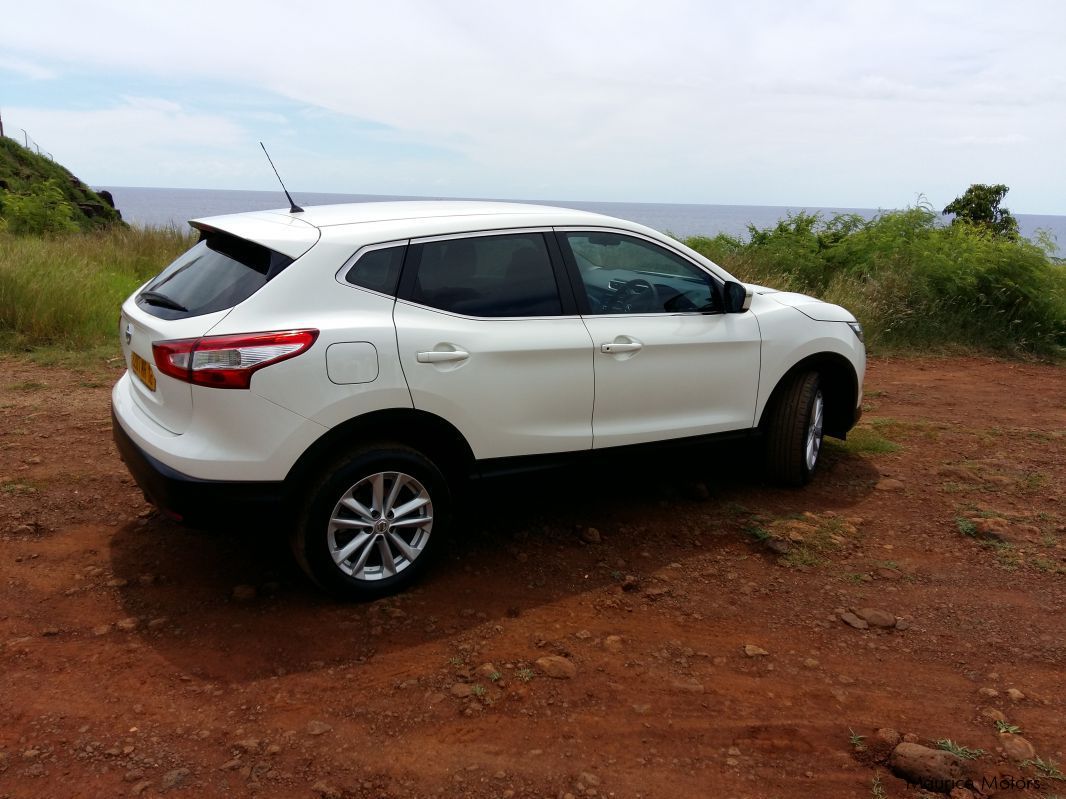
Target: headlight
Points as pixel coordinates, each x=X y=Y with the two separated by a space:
x=857 y=329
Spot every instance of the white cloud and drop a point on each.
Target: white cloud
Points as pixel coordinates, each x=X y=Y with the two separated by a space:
x=763 y=102
x=25 y=68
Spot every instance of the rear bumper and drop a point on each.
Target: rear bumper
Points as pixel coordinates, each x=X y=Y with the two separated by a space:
x=192 y=500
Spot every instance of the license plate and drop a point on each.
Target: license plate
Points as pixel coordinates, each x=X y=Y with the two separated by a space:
x=143 y=370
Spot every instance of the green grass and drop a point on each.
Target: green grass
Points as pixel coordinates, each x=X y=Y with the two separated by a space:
x=911 y=281
x=1049 y=768
x=863 y=440
x=959 y=750
x=63 y=293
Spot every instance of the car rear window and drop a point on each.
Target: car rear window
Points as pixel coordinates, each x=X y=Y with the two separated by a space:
x=217 y=273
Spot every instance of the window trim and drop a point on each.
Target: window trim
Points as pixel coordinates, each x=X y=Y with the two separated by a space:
x=578 y=283
x=413 y=260
x=354 y=259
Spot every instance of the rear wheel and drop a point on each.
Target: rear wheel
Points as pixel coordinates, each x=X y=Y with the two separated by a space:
x=794 y=430
x=373 y=522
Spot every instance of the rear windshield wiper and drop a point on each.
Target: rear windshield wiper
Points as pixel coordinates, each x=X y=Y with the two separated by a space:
x=162 y=300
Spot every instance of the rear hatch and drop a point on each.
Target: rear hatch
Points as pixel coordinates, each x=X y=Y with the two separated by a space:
x=193 y=294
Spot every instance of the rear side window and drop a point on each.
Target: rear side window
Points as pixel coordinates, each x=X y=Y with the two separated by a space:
x=378 y=270
x=488 y=276
x=216 y=274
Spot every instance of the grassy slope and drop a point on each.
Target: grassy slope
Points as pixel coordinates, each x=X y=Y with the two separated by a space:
x=21 y=168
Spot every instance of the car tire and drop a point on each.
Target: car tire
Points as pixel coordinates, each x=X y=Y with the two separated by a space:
x=373 y=522
x=794 y=430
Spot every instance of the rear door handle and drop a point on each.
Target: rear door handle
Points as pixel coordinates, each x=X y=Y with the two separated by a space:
x=616 y=346
x=446 y=356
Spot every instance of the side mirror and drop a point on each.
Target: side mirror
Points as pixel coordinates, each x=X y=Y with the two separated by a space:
x=736 y=297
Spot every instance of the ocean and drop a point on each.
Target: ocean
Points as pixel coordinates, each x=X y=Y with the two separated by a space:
x=162 y=207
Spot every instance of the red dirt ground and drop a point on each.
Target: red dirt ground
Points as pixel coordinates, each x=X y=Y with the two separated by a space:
x=129 y=667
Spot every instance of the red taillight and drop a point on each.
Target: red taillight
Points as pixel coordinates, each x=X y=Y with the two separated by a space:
x=228 y=361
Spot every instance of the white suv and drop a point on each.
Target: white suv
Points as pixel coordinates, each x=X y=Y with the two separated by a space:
x=350 y=363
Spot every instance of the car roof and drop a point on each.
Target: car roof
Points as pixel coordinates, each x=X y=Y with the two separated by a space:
x=295 y=233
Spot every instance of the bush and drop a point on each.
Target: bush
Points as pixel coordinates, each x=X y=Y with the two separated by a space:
x=910 y=281
x=41 y=210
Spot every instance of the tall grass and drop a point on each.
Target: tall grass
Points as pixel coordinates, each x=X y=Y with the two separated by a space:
x=912 y=282
x=65 y=291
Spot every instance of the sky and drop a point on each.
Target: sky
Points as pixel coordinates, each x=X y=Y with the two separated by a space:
x=857 y=103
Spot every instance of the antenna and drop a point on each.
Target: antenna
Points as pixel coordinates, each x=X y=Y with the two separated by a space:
x=294 y=208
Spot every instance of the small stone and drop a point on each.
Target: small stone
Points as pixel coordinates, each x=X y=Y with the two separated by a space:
x=960 y=793
x=1016 y=747
x=924 y=766
x=244 y=593
x=589 y=778
x=155 y=624
x=889 y=736
x=487 y=671
x=876 y=617
x=590 y=535
x=903 y=624
x=317 y=728
x=993 y=714
x=810 y=663
x=31 y=754
x=117 y=582
x=102 y=629
x=230 y=765
x=910 y=738
x=753 y=651
x=326 y=790
x=888 y=574
x=889 y=484
x=247 y=745
x=1015 y=695
x=582 y=635
x=462 y=690
x=557 y=667
x=642 y=710
x=127 y=624
x=852 y=620
x=630 y=583
x=140 y=787
x=688 y=685
x=991 y=693
x=50 y=632
x=173 y=778
x=778 y=546
x=613 y=643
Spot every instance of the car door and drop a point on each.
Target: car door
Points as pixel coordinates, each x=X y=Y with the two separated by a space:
x=668 y=363
x=488 y=342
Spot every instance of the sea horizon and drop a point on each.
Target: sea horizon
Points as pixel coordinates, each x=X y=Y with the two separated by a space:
x=163 y=207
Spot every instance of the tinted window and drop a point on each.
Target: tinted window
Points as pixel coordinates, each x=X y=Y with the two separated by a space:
x=214 y=275
x=378 y=269
x=622 y=274
x=507 y=275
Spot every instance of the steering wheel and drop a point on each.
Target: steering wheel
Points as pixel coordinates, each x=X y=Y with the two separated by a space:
x=635 y=296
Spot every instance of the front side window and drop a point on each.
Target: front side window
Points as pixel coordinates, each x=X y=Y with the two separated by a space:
x=626 y=275
x=488 y=276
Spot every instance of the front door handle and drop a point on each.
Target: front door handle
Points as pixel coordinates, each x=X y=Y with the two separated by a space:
x=445 y=356
x=616 y=347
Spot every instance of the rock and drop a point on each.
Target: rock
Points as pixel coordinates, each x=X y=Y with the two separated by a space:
x=993 y=714
x=590 y=535
x=50 y=632
x=889 y=736
x=326 y=790
x=140 y=787
x=244 y=593
x=852 y=620
x=657 y=591
x=903 y=624
x=888 y=574
x=991 y=693
x=688 y=685
x=961 y=793
x=613 y=643
x=462 y=690
x=127 y=625
x=778 y=546
x=810 y=663
x=155 y=624
x=102 y=629
x=1015 y=695
x=582 y=635
x=910 y=737
x=876 y=617
x=753 y=651
x=487 y=671
x=889 y=484
x=173 y=778
x=557 y=667
x=317 y=728
x=642 y=710
x=247 y=745
x=933 y=769
x=229 y=765
x=630 y=583
x=1016 y=747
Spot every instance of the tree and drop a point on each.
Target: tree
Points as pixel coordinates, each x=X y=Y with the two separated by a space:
x=979 y=206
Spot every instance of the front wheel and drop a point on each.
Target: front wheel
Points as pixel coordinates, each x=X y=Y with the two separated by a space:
x=794 y=430
x=373 y=522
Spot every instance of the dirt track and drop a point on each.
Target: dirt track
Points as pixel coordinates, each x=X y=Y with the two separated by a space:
x=128 y=666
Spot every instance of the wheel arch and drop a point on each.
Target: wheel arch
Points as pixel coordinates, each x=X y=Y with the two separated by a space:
x=840 y=390
x=436 y=438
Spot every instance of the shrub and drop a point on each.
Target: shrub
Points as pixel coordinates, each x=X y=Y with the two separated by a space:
x=41 y=210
